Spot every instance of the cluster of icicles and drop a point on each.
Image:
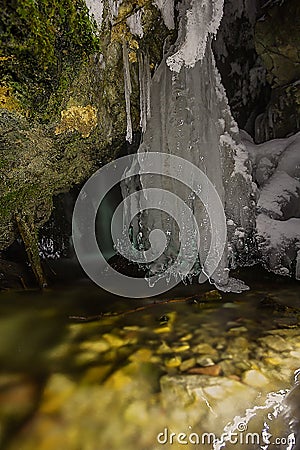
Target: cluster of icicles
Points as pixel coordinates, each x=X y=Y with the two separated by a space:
x=184 y=112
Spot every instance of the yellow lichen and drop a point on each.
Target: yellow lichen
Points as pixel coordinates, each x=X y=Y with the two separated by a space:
x=78 y=118
x=124 y=11
x=7 y=99
x=133 y=44
x=132 y=57
x=120 y=31
x=6 y=58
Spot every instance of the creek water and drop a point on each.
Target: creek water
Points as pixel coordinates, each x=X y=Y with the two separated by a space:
x=81 y=369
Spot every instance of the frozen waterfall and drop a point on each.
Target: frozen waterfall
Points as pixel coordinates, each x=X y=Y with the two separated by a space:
x=190 y=118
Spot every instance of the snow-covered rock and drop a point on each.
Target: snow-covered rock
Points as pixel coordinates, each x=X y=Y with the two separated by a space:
x=276 y=170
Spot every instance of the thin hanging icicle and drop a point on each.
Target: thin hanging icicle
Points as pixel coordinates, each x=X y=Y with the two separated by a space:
x=144 y=82
x=134 y=23
x=114 y=9
x=147 y=84
x=166 y=8
x=128 y=90
x=96 y=8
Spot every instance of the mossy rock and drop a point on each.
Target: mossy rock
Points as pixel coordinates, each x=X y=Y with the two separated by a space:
x=281 y=118
x=277 y=38
x=43 y=44
x=62 y=102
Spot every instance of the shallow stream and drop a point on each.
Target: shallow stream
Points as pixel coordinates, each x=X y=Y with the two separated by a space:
x=82 y=370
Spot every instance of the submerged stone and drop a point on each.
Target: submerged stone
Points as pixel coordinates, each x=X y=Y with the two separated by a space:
x=276 y=343
x=213 y=370
x=254 y=378
x=187 y=364
x=173 y=362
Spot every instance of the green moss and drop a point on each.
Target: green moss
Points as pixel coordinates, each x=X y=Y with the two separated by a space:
x=279 y=50
x=43 y=44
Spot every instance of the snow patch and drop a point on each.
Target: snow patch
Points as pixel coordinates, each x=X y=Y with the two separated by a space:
x=277 y=193
x=279 y=243
x=276 y=170
x=198 y=22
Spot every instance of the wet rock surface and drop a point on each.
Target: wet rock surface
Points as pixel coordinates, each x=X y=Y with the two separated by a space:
x=277 y=44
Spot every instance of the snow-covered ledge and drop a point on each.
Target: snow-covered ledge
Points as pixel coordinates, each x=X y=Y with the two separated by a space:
x=276 y=170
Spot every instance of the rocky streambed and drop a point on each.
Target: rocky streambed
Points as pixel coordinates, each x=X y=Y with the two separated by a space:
x=202 y=370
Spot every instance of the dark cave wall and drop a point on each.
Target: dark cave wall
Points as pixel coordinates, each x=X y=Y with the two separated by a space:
x=257 y=52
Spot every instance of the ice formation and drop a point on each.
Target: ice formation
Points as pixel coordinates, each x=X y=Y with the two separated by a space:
x=96 y=10
x=166 y=8
x=114 y=8
x=190 y=118
x=144 y=85
x=276 y=170
x=134 y=23
x=128 y=90
x=271 y=417
x=198 y=22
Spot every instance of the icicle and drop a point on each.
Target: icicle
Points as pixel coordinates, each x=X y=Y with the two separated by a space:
x=200 y=21
x=298 y=266
x=114 y=8
x=148 y=85
x=144 y=82
x=128 y=90
x=134 y=23
x=96 y=10
x=166 y=8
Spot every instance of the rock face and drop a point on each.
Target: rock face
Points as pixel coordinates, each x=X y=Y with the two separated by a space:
x=62 y=103
x=242 y=70
x=280 y=51
x=277 y=39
